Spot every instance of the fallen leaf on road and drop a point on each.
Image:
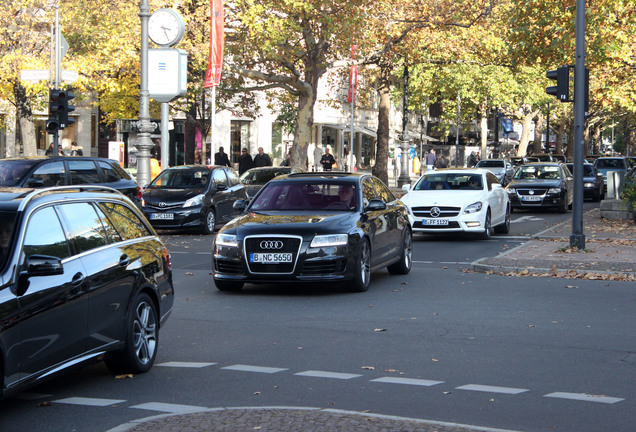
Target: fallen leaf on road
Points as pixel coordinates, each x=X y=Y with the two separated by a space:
x=379 y=330
x=368 y=367
x=124 y=376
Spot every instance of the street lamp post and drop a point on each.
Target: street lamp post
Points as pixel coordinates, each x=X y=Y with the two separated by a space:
x=404 y=177
x=145 y=127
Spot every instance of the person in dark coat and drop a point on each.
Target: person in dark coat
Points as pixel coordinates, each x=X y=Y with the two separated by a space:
x=221 y=158
x=327 y=160
x=262 y=159
x=245 y=161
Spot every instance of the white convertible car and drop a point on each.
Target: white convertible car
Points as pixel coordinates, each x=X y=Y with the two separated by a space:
x=458 y=200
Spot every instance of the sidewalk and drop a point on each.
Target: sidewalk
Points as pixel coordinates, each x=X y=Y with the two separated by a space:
x=610 y=252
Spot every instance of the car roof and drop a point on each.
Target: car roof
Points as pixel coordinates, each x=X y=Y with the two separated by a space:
x=326 y=176
x=458 y=170
x=16 y=199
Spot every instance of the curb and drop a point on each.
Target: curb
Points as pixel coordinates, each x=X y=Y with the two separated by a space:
x=129 y=426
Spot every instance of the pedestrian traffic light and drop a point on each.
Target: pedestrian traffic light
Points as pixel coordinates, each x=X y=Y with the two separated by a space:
x=562 y=77
x=59 y=109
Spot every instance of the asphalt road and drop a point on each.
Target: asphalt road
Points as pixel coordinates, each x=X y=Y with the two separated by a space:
x=533 y=354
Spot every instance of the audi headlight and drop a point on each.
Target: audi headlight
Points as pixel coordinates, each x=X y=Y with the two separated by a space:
x=226 y=240
x=554 y=191
x=473 y=208
x=194 y=201
x=329 y=240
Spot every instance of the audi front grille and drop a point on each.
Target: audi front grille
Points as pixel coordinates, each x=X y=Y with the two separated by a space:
x=277 y=246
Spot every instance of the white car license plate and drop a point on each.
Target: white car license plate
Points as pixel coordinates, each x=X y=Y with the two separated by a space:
x=161 y=216
x=270 y=258
x=435 y=221
x=531 y=198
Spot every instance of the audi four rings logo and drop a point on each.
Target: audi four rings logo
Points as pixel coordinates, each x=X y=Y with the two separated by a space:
x=435 y=211
x=271 y=244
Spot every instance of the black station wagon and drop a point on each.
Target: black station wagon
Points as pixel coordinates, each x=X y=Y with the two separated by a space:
x=82 y=275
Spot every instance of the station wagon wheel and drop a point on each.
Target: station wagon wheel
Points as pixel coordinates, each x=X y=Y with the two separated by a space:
x=362 y=277
x=209 y=221
x=504 y=228
x=403 y=266
x=142 y=339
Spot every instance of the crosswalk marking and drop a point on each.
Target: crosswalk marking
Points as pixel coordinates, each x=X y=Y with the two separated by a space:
x=248 y=368
x=492 y=389
x=323 y=374
x=170 y=408
x=409 y=381
x=584 y=397
x=177 y=364
x=89 y=401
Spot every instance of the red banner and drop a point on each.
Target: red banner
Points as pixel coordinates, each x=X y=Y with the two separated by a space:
x=353 y=77
x=215 y=60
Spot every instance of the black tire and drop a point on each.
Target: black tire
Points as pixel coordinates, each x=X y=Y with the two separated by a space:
x=504 y=228
x=142 y=339
x=362 y=278
x=487 y=227
x=403 y=266
x=227 y=285
x=209 y=221
x=563 y=207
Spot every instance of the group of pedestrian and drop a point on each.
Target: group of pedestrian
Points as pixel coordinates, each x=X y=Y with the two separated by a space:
x=472 y=159
x=246 y=161
x=75 y=150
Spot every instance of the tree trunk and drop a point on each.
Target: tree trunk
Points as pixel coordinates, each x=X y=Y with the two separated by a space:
x=569 y=151
x=382 y=154
x=538 y=134
x=483 y=113
x=25 y=126
x=526 y=121
x=559 y=138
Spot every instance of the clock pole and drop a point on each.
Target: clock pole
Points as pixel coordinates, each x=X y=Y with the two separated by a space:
x=145 y=127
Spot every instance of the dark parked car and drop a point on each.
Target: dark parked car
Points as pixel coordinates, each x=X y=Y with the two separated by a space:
x=607 y=164
x=192 y=196
x=82 y=275
x=255 y=178
x=314 y=227
x=47 y=171
x=593 y=183
x=541 y=185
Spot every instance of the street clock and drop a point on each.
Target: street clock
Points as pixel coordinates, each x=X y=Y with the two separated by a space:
x=166 y=27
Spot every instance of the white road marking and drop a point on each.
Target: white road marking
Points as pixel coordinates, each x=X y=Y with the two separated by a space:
x=171 y=408
x=323 y=374
x=248 y=368
x=409 y=381
x=526 y=219
x=89 y=401
x=185 y=364
x=492 y=389
x=584 y=397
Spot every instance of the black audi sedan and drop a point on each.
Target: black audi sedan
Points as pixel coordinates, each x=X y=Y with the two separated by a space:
x=541 y=185
x=83 y=277
x=192 y=197
x=314 y=227
x=593 y=181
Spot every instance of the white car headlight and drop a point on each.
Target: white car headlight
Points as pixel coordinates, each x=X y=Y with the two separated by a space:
x=194 y=201
x=473 y=208
x=329 y=240
x=511 y=191
x=554 y=191
x=226 y=240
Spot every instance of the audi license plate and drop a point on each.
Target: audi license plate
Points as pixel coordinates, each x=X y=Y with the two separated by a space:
x=161 y=216
x=270 y=258
x=531 y=198
x=435 y=221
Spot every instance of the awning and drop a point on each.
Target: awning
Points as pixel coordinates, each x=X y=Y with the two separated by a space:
x=347 y=128
x=411 y=135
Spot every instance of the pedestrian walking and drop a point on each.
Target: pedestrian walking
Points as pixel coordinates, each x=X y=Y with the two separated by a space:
x=220 y=158
x=262 y=159
x=430 y=160
x=327 y=160
x=50 y=151
x=287 y=160
x=245 y=161
x=441 y=162
x=75 y=150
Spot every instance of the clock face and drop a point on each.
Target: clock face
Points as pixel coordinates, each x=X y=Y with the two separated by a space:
x=165 y=27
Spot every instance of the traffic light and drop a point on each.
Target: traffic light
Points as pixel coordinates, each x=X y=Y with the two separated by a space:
x=59 y=109
x=562 y=77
